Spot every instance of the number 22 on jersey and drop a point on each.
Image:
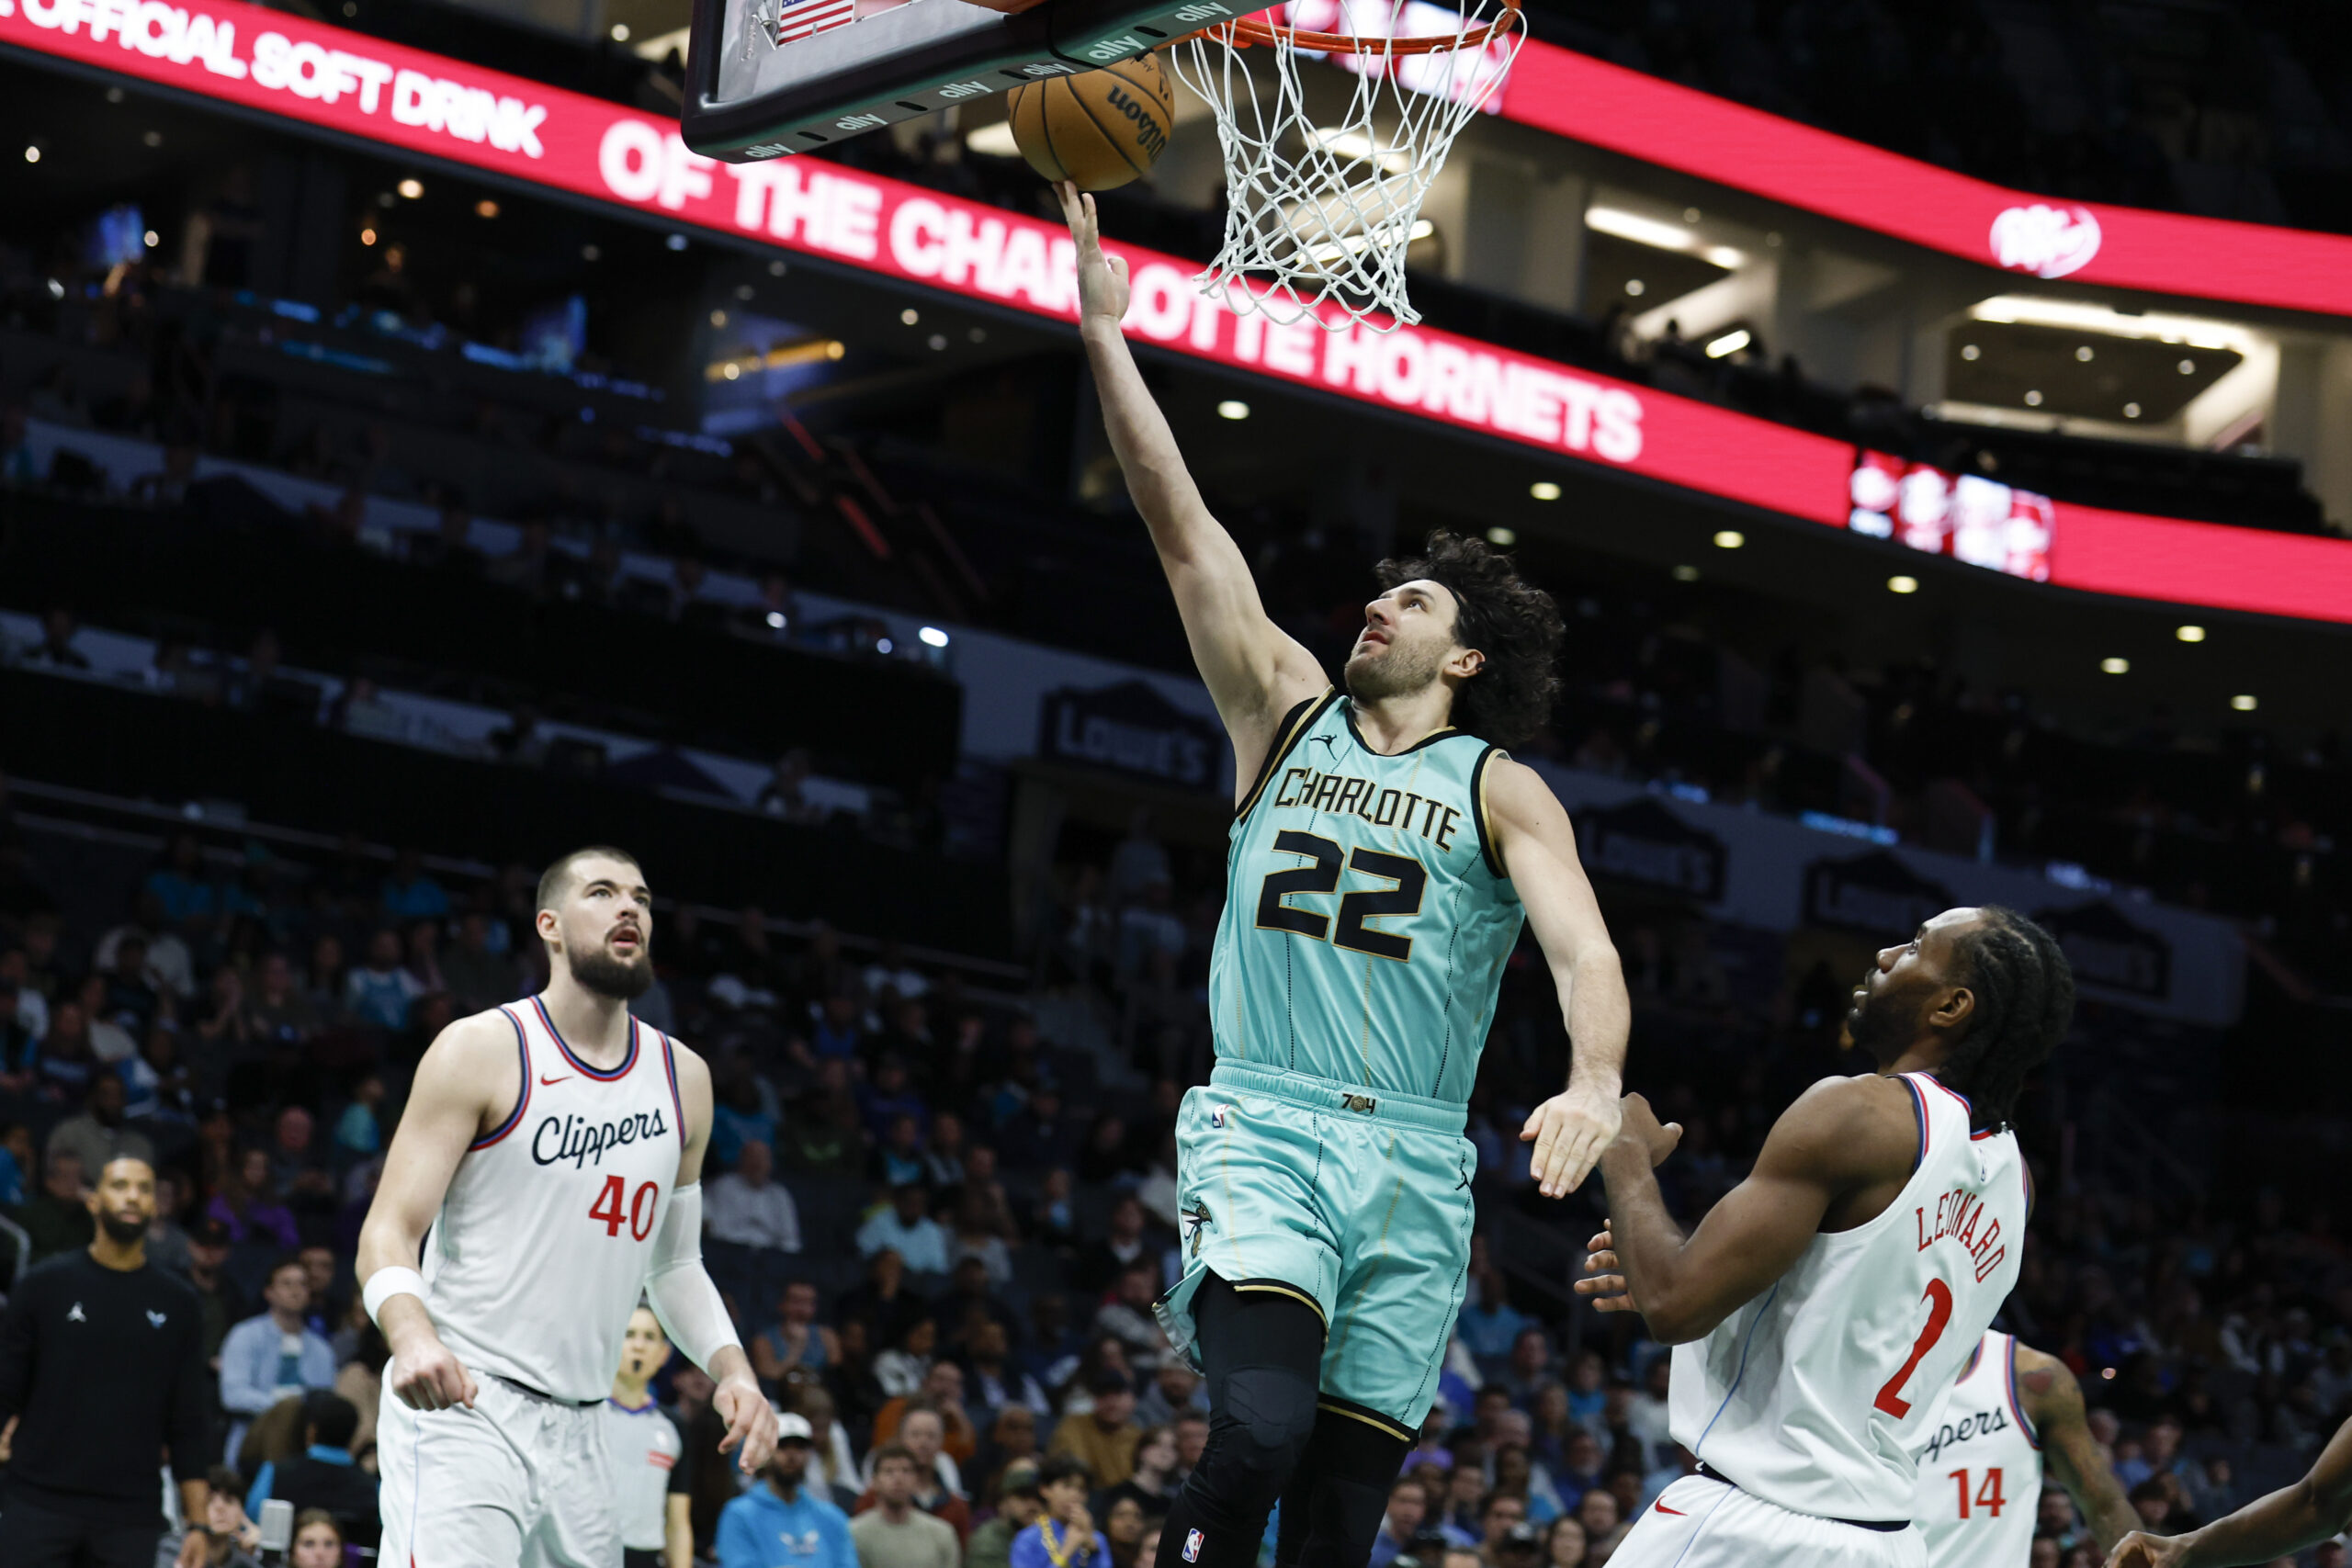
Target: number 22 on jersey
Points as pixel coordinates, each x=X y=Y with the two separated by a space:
x=639 y=1215
x=1407 y=880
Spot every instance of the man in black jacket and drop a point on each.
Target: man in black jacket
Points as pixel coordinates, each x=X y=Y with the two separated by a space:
x=102 y=1380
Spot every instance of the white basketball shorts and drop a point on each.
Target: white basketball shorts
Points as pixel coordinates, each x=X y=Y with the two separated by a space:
x=515 y=1479
x=1700 y=1522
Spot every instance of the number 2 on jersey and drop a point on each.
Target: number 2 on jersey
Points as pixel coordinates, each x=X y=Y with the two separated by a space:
x=1988 y=1495
x=1890 y=1398
x=637 y=1216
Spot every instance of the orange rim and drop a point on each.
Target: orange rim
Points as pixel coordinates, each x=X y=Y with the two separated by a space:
x=1249 y=31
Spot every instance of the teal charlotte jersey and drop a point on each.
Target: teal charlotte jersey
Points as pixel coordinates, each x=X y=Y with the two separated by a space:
x=1367 y=921
x=1367 y=916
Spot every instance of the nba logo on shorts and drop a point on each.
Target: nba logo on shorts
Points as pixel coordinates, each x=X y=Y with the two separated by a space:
x=1217 y=1118
x=1192 y=1547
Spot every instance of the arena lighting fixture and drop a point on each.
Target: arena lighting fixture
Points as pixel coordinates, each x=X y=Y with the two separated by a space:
x=1233 y=408
x=808 y=351
x=1902 y=585
x=718 y=318
x=1686 y=574
x=994 y=141
x=1640 y=229
x=909 y=315
x=1421 y=230
x=1730 y=539
x=1724 y=256
x=2243 y=703
x=2193 y=331
x=32 y=154
x=1544 y=490
x=413 y=190
x=1356 y=144
x=2189 y=634
x=152 y=238
x=932 y=636
x=620 y=32
x=1730 y=342
x=2111 y=665
x=366 y=236
x=485 y=207
x=1502 y=538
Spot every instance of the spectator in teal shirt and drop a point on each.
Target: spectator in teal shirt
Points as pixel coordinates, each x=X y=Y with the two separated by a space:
x=779 y=1524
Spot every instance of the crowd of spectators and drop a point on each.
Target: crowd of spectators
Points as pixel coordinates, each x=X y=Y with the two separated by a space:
x=2250 y=829
x=941 y=1215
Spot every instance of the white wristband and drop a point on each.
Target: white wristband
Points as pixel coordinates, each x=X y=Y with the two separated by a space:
x=386 y=1283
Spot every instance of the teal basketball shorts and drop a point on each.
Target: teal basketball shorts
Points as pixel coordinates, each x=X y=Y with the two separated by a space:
x=1356 y=1203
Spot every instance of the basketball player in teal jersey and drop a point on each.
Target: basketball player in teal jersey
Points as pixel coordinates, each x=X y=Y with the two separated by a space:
x=1384 y=855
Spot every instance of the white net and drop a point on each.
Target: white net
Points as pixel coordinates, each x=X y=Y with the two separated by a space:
x=1322 y=210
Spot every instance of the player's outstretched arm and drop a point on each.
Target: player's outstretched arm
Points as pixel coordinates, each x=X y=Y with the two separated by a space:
x=1839 y=1136
x=470 y=1068
x=1539 y=852
x=2053 y=1403
x=1256 y=671
x=678 y=1289
x=2290 y=1519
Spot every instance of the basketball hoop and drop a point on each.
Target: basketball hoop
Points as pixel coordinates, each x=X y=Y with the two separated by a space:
x=1322 y=214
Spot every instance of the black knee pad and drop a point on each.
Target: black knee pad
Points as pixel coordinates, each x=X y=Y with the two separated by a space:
x=1355 y=1464
x=1256 y=1440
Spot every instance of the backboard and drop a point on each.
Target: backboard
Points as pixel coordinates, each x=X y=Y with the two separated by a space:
x=769 y=77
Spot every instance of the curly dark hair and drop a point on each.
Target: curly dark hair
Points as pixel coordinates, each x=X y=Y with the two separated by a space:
x=1512 y=622
x=2025 y=999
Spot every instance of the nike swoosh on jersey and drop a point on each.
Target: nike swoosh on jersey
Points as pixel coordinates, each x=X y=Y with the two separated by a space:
x=566 y=1078
x=1663 y=1509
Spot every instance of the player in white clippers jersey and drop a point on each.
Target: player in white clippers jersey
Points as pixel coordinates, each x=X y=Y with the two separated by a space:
x=1821 y=1309
x=1981 y=1465
x=656 y=1532
x=553 y=1149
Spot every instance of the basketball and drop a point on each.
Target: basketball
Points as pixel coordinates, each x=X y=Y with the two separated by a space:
x=1100 y=129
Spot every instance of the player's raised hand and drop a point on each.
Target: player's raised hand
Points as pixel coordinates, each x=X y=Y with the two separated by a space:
x=1606 y=1286
x=2139 y=1550
x=427 y=1375
x=1569 y=1131
x=750 y=1422
x=1101 y=280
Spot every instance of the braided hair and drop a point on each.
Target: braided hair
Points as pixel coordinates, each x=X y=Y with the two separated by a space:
x=2025 y=998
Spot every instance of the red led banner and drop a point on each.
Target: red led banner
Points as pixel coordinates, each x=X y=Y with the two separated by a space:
x=439 y=108
x=1676 y=128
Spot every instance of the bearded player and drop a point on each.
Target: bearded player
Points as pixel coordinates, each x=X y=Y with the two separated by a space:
x=549 y=1165
x=1821 y=1310
x=1383 y=856
x=2014 y=1416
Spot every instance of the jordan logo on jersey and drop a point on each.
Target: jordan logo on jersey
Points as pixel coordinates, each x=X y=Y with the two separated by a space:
x=583 y=1143
x=1978 y=1425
